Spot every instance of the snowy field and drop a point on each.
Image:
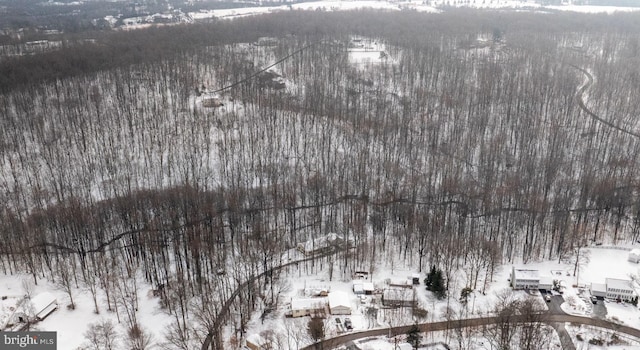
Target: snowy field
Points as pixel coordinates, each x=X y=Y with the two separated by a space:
x=434 y=6
x=583 y=334
x=71 y=325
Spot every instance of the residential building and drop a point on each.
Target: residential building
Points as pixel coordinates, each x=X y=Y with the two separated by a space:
x=308 y=306
x=339 y=303
x=321 y=245
x=43 y=304
x=525 y=279
x=620 y=289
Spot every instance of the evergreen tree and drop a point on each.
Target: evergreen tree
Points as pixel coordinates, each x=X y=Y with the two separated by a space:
x=315 y=328
x=435 y=283
x=464 y=295
x=430 y=276
x=413 y=337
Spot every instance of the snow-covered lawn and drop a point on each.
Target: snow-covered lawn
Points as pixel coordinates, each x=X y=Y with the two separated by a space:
x=576 y=298
x=623 y=313
x=582 y=335
x=433 y=6
x=71 y=325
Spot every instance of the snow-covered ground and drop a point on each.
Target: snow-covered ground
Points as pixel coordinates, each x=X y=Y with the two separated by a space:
x=577 y=299
x=434 y=6
x=582 y=335
x=71 y=325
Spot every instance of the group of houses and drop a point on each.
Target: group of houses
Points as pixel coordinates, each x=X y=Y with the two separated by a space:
x=613 y=288
x=335 y=303
x=320 y=301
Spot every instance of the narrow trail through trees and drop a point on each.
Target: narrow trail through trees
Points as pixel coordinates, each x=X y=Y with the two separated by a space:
x=580 y=96
x=213 y=337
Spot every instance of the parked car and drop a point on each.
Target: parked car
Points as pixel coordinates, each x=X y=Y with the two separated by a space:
x=547 y=298
x=347 y=324
x=594 y=299
x=337 y=320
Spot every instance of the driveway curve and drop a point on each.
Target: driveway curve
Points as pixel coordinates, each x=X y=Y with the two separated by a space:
x=580 y=97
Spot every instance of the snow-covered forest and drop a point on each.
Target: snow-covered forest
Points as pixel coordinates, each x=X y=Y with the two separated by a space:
x=468 y=140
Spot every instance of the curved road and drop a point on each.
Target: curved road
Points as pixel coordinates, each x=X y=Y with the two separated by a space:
x=213 y=337
x=471 y=322
x=582 y=105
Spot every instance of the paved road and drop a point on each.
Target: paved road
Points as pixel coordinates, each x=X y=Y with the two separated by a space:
x=555 y=308
x=555 y=305
x=550 y=319
x=563 y=335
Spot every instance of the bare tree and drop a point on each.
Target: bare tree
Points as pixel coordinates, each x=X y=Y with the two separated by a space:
x=102 y=336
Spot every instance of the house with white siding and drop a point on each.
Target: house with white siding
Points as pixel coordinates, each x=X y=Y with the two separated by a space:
x=301 y=307
x=619 y=289
x=525 y=279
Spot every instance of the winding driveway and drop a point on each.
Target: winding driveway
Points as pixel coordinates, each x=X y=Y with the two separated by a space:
x=213 y=336
x=580 y=97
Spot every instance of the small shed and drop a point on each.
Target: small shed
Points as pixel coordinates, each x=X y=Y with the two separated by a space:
x=415 y=278
x=339 y=303
x=402 y=283
x=43 y=305
x=358 y=287
x=255 y=342
x=368 y=288
x=634 y=256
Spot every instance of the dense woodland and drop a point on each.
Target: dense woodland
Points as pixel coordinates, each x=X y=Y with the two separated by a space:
x=467 y=148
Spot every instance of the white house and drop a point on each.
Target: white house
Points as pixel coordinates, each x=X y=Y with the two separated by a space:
x=339 y=303
x=362 y=287
x=620 y=289
x=525 y=279
x=634 y=256
x=358 y=287
x=323 y=244
x=308 y=306
x=43 y=304
x=368 y=288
